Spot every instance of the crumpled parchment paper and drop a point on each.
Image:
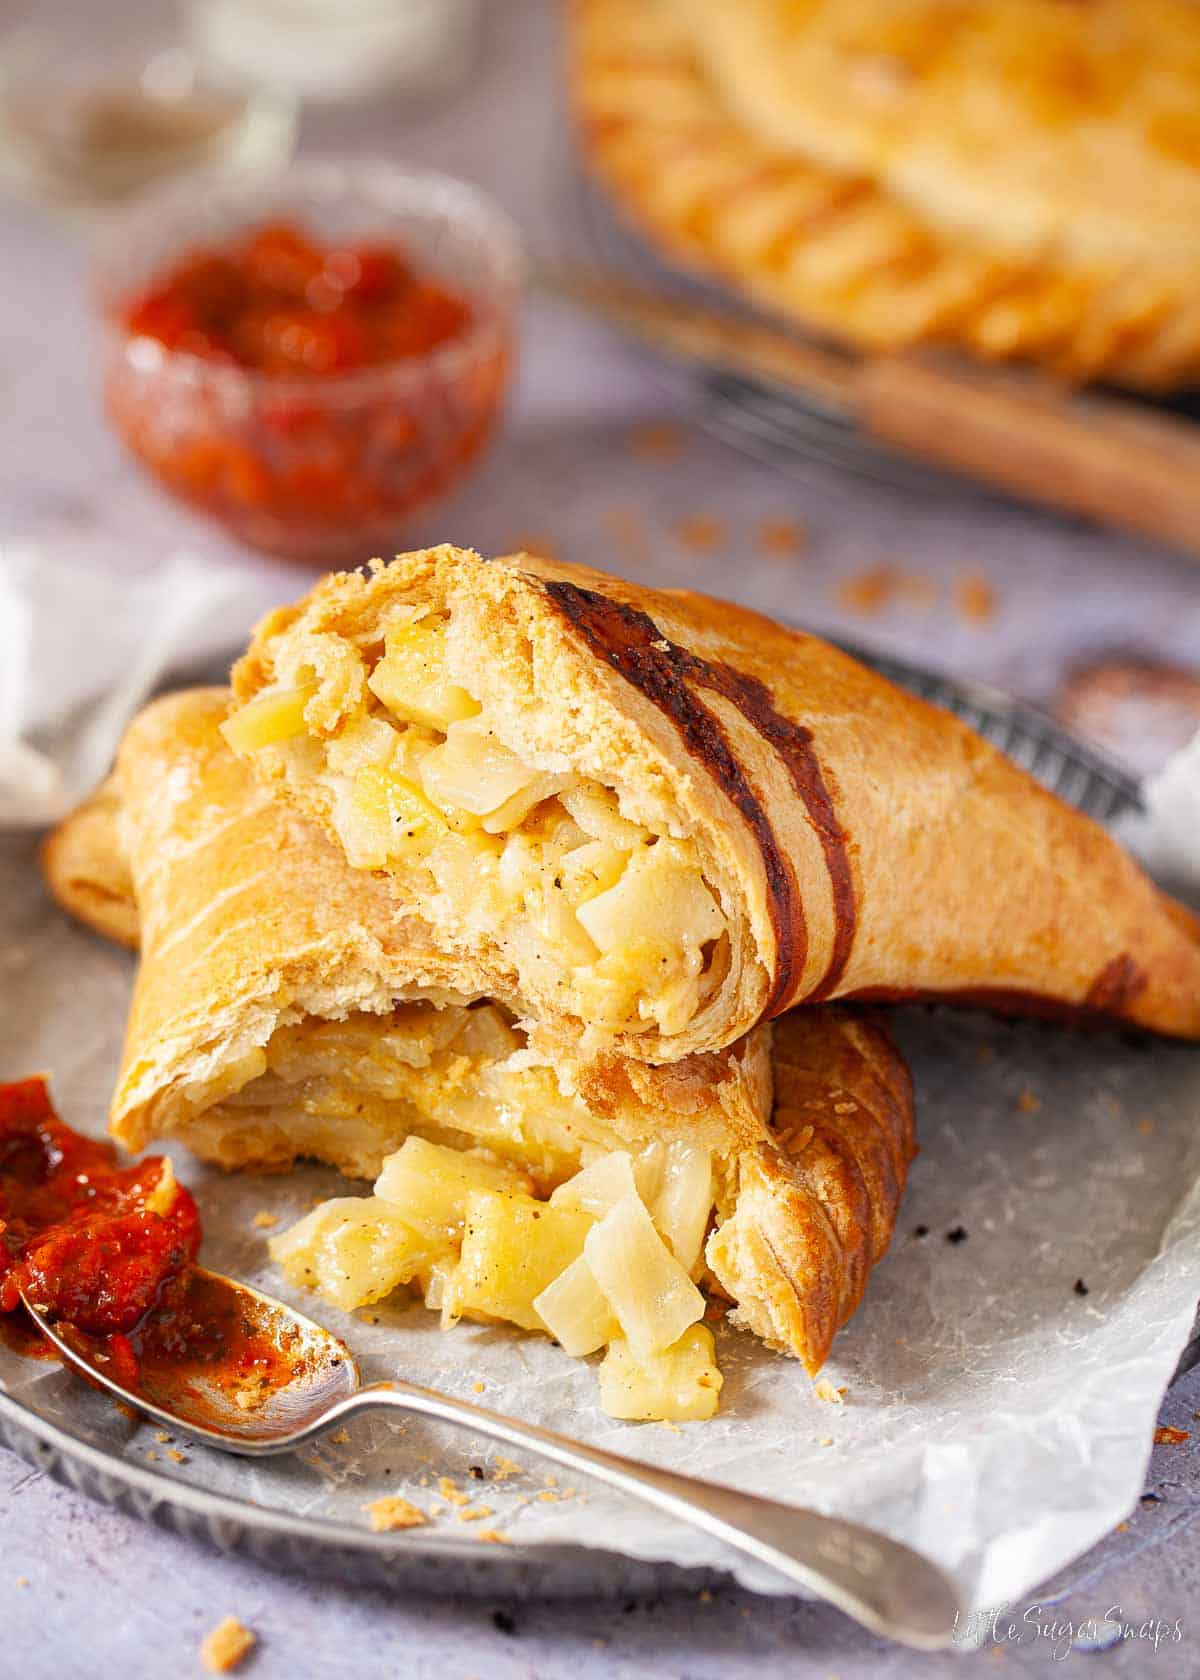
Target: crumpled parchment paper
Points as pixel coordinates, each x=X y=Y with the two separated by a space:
x=995 y=1416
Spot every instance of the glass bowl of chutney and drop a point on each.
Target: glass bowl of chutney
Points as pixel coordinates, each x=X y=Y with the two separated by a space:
x=311 y=360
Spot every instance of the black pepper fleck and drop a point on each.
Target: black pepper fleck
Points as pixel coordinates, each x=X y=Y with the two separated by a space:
x=1081 y=1288
x=503 y=1622
x=958 y=1235
x=921 y=1231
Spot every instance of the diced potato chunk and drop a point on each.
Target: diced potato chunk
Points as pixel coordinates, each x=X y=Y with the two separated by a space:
x=513 y=1248
x=353 y=1250
x=598 y=1187
x=431 y=1185
x=366 y=741
x=411 y=678
x=391 y=817
x=275 y=715
x=575 y=1311
x=652 y=1296
x=661 y=892
x=681 y=1384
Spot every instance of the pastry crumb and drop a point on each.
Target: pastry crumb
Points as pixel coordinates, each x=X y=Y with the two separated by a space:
x=451 y=1494
x=1029 y=1102
x=975 y=598
x=392 y=1512
x=152 y=1455
x=782 y=536
x=22 y=1580
x=265 y=1219
x=161 y=1436
x=825 y=1441
x=474 y=1513
x=478 y=1387
x=704 y=1596
x=127 y=1411
x=868 y=592
x=176 y=1456
x=340 y=1437
x=1165 y=1436
x=1145 y=1126
x=492 y=1537
x=671 y=1428
x=225 y=1647
x=547 y=1496
x=824 y=1390
x=656 y=440
x=701 y=532
x=504 y=1469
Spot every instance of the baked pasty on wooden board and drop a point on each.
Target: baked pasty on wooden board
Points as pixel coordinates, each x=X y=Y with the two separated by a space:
x=651 y=820
x=1017 y=177
x=282 y=1009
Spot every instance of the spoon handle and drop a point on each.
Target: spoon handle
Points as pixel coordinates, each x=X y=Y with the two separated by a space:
x=881 y=1583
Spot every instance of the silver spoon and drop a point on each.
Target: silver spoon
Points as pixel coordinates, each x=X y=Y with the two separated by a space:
x=886 y=1586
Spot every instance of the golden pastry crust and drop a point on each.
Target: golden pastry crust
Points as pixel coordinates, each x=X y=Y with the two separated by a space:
x=251 y=922
x=861 y=843
x=252 y=916
x=1020 y=178
x=818 y=1203
x=86 y=871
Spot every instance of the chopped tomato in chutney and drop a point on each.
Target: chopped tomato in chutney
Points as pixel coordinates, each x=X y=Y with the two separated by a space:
x=277 y=301
x=92 y=1241
x=107 y=1250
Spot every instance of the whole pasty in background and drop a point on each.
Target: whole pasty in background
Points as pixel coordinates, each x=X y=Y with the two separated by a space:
x=647 y=820
x=1017 y=177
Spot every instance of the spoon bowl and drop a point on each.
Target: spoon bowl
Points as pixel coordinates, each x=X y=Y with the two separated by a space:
x=249 y=1406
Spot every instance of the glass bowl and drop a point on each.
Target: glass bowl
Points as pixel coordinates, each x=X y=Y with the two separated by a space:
x=320 y=468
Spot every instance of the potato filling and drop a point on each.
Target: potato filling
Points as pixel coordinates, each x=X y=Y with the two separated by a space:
x=539 y=861
x=350 y=1091
x=609 y=1260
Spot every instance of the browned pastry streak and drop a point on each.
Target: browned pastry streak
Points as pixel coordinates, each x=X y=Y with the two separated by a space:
x=1116 y=985
x=630 y=641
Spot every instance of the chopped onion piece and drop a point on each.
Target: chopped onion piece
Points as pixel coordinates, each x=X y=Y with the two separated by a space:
x=680 y=1210
x=651 y=1295
x=600 y=1186
x=575 y=1311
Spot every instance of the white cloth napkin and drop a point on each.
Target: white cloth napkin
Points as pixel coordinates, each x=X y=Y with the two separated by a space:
x=82 y=649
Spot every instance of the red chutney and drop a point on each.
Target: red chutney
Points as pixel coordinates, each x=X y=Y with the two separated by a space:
x=77 y=1234
x=298 y=457
x=279 y=302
